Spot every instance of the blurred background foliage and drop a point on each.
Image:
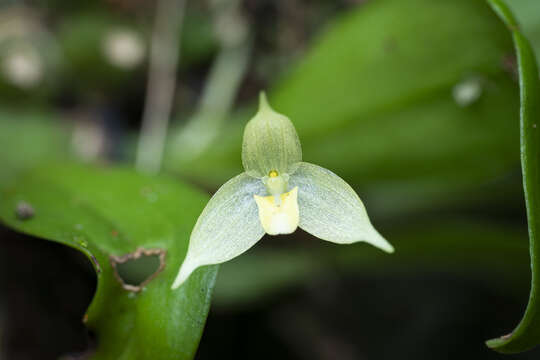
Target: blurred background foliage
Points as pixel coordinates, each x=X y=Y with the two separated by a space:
x=415 y=104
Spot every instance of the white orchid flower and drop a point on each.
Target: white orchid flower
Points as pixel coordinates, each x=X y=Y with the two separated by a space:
x=276 y=194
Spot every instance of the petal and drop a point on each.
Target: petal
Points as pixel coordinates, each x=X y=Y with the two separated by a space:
x=331 y=210
x=228 y=226
x=270 y=143
x=279 y=218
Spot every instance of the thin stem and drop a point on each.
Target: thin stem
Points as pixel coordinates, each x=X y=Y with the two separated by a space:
x=221 y=86
x=164 y=56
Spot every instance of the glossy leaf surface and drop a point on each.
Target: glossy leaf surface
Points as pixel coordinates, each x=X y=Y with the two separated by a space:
x=111 y=214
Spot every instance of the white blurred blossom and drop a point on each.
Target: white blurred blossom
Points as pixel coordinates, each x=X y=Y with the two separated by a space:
x=22 y=66
x=124 y=48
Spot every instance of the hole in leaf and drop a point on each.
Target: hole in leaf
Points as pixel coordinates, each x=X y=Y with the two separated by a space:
x=135 y=270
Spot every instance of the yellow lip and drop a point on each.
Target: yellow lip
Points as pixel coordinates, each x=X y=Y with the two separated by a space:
x=279 y=214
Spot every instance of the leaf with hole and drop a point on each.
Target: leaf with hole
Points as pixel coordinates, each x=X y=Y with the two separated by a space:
x=135 y=231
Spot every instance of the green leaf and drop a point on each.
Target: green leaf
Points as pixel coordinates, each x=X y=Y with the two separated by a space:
x=527 y=334
x=528 y=14
x=372 y=101
x=108 y=213
x=29 y=138
x=485 y=251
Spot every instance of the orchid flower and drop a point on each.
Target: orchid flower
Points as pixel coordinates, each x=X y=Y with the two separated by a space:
x=276 y=194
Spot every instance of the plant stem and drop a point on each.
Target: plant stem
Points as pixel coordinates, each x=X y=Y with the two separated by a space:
x=221 y=86
x=164 y=54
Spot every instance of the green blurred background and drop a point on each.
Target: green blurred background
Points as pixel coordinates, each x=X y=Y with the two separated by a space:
x=414 y=103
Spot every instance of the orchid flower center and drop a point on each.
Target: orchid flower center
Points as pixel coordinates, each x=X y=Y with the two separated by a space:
x=278 y=212
x=276 y=184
